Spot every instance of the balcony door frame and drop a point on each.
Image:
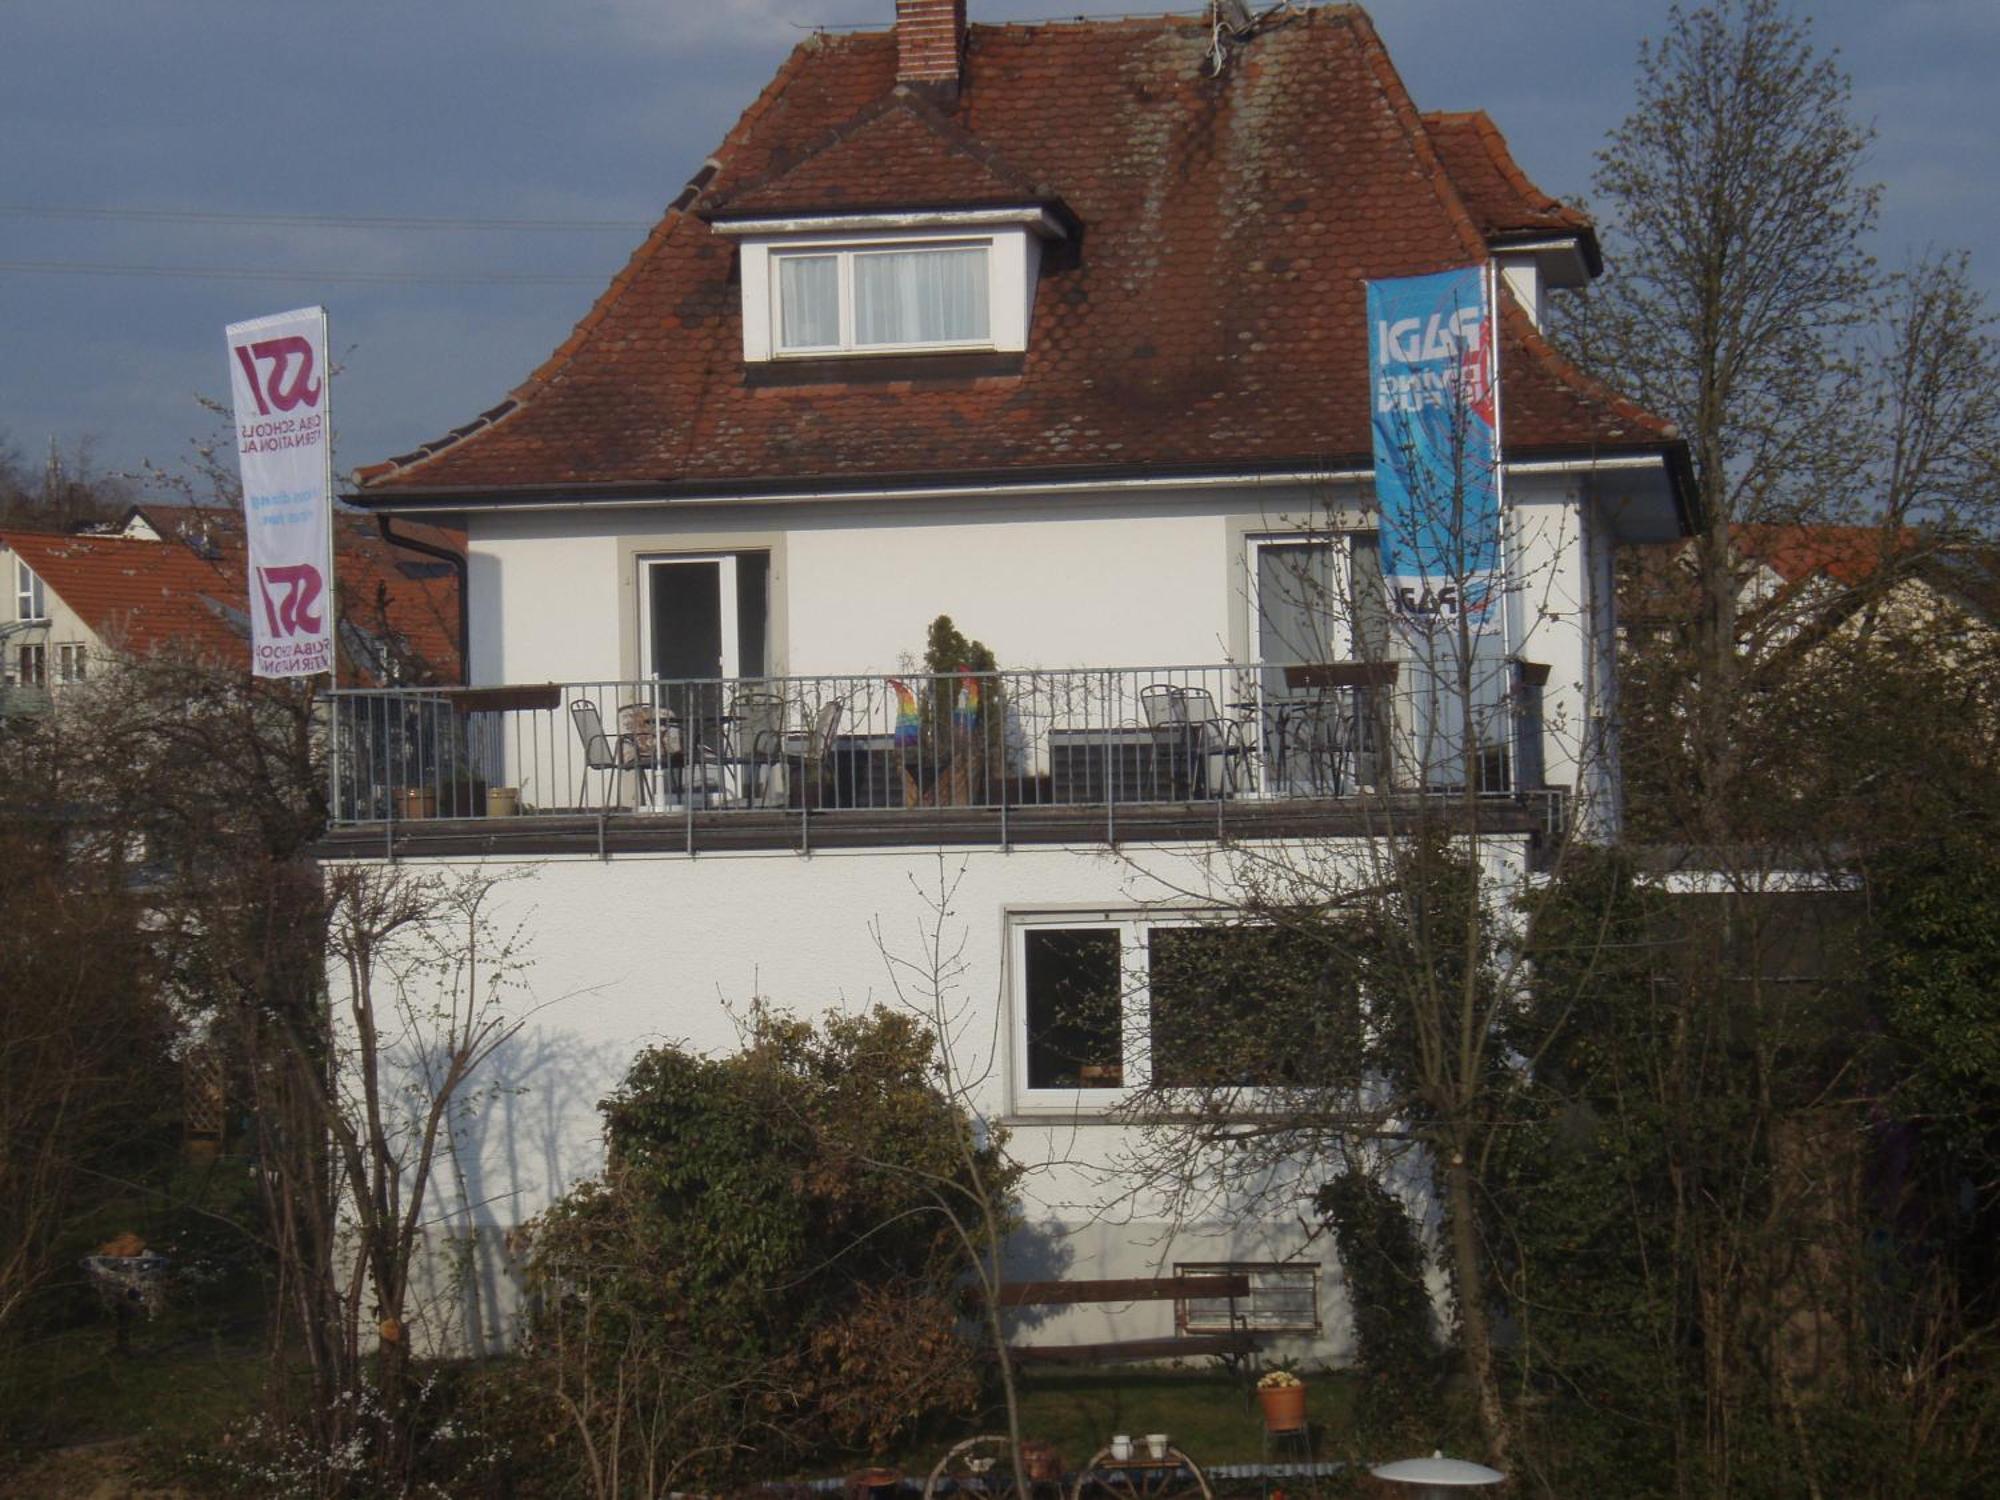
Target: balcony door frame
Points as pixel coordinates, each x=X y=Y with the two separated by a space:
x=653 y=573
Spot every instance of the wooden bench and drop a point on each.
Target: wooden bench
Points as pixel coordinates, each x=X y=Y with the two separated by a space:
x=1238 y=1343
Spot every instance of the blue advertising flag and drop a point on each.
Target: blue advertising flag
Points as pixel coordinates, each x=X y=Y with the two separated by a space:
x=1431 y=367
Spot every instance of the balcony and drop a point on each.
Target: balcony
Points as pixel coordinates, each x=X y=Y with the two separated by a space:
x=1069 y=756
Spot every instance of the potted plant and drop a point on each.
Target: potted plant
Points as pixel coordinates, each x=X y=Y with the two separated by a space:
x=950 y=731
x=1283 y=1397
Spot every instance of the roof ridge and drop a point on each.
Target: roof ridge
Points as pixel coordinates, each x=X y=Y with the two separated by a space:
x=1397 y=96
x=1502 y=156
x=954 y=136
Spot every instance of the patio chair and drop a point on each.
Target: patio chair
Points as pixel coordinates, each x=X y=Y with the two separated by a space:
x=1186 y=723
x=604 y=751
x=807 y=755
x=757 y=747
x=1319 y=744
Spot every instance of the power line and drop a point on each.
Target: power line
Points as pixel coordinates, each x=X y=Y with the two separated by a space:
x=359 y=278
x=319 y=221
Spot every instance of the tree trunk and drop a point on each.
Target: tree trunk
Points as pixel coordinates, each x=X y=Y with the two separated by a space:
x=1475 y=1333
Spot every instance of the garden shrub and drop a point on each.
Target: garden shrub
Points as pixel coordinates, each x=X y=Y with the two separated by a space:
x=768 y=1268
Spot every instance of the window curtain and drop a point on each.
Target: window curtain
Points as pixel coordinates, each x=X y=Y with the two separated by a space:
x=920 y=296
x=808 y=301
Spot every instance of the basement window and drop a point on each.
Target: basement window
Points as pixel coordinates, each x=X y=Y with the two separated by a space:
x=1283 y=1299
x=1107 y=1004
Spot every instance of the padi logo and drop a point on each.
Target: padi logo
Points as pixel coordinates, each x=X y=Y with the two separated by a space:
x=291 y=598
x=285 y=384
x=1416 y=341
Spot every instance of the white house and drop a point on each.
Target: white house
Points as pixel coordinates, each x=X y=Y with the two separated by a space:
x=1057 y=329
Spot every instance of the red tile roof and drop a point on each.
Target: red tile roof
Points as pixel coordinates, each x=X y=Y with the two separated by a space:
x=1849 y=555
x=900 y=153
x=1496 y=192
x=1210 y=317
x=148 y=596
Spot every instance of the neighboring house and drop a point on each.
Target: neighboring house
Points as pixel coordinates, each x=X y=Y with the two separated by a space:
x=1799 y=586
x=1057 y=329
x=172 y=580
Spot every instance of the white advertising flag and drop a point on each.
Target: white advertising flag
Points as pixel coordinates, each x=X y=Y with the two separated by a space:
x=277 y=370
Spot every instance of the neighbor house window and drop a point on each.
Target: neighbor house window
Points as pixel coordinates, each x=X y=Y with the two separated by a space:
x=1283 y=1299
x=1108 y=1004
x=31 y=666
x=839 y=300
x=31 y=600
x=71 y=662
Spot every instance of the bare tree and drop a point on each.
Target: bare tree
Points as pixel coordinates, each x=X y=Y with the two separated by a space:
x=1738 y=227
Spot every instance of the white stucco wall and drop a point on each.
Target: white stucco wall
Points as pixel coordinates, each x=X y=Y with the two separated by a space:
x=1069 y=580
x=62 y=626
x=634 y=951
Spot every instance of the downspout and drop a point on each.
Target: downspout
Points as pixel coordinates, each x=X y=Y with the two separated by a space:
x=456 y=561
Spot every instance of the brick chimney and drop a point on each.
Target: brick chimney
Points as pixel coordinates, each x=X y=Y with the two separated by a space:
x=930 y=39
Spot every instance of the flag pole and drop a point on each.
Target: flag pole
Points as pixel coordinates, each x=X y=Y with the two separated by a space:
x=332 y=516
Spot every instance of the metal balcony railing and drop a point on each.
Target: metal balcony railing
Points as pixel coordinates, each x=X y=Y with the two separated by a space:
x=1085 y=737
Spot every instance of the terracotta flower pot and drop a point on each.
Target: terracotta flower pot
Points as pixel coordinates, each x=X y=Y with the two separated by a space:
x=1284 y=1408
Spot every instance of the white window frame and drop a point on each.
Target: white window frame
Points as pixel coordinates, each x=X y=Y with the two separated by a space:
x=1339 y=612
x=31 y=666
x=31 y=596
x=1248 y=1315
x=732 y=666
x=72 y=662
x=844 y=258
x=1012 y=239
x=1133 y=1013
x=1134 y=929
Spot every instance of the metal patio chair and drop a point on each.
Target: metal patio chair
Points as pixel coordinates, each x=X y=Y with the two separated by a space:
x=604 y=751
x=807 y=754
x=1186 y=723
x=757 y=747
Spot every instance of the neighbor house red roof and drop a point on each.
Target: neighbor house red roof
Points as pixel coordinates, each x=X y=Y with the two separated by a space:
x=189 y=591
x=1849 y=555
x=1209 y=315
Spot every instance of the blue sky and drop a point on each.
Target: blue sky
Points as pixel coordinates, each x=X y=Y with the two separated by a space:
x=585 y=111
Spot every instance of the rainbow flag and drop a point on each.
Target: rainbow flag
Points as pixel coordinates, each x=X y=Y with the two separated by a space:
x=965 y=708
x=908 y=729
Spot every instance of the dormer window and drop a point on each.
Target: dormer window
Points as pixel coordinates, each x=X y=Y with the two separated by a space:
x=860 y=299
x=854 y=285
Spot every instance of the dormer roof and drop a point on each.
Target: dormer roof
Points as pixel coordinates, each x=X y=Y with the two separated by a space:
x=1502 y=200
x=1210 y=317
x=899 y=154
